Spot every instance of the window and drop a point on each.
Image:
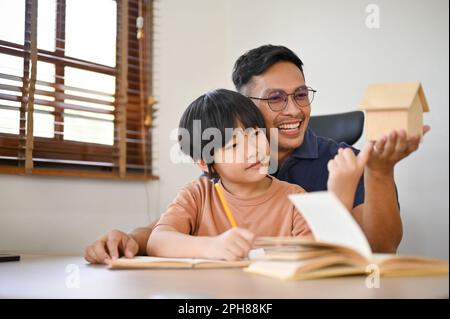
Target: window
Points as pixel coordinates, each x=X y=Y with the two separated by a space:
x=75 y=87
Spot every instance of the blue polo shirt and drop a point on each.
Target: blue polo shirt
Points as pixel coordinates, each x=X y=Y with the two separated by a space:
x=307 y=165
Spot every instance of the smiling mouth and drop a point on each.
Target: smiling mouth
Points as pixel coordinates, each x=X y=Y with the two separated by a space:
x=292 y=128
x=254 y=165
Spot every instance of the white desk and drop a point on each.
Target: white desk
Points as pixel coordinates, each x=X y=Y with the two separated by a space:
x=46 y=277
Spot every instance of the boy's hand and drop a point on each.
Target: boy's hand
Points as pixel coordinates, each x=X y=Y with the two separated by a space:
x=345 y=170
x=233 y=244
x=111 y=246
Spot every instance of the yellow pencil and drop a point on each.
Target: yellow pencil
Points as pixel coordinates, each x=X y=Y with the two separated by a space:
x=225 y=205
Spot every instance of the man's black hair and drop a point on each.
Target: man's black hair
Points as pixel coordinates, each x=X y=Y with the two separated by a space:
x=257 y=61
x=218 y=109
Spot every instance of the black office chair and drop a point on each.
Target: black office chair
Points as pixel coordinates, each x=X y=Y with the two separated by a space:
x=341 y=127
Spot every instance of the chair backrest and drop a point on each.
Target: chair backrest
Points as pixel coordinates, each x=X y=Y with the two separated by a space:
x=341 y=127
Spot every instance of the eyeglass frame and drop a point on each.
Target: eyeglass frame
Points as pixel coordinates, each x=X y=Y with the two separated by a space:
x=309 y=89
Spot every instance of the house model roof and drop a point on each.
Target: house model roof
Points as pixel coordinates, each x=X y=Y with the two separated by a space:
x=393 y=96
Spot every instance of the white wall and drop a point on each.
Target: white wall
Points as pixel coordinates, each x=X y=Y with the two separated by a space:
x=62 y=215
x=197 y=42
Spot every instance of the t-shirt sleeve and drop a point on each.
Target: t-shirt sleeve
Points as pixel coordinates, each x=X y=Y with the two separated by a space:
x=300 y=227
x=182 y=213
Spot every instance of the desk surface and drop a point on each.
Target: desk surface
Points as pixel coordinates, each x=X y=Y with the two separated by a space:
x=58 y=276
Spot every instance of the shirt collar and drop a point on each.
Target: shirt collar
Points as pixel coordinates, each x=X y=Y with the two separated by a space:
x=309 y=148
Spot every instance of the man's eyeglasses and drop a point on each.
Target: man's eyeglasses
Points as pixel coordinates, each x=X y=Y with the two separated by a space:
x=278 y=99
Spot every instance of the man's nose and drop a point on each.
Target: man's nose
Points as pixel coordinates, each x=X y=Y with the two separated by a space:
x=291 y=108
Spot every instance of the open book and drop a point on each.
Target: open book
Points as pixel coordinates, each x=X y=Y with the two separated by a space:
x=340 y=247
x=160 y=262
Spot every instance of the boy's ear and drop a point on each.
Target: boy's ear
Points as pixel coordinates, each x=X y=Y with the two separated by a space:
x=202 y=165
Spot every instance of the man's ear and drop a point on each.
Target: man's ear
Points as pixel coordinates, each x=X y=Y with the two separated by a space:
x=202 y=165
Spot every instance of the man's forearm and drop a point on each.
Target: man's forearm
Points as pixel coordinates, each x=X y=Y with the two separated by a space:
x=141 y=236
x=381 y=216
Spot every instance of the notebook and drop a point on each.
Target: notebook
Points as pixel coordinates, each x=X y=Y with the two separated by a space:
x=161 y=262
x=340 y=247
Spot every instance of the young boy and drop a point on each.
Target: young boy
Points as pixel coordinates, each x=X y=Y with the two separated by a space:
x=195 y=224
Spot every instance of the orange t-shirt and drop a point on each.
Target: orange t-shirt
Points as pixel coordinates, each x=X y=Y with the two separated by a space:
x=197 y=210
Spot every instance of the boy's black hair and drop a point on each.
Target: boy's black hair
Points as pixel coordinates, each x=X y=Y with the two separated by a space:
x=257 y=61
x=218 y=109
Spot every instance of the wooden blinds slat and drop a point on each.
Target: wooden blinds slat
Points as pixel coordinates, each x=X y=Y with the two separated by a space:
x=30 y=104
x=123 y=85
x=142 y=101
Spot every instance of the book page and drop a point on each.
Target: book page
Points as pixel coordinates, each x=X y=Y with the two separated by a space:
x=299 y=269
x=330 y=221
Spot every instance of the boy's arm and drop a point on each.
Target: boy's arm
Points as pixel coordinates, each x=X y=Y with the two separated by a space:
x=141 y=236
x=345 y=171
x=166 y=241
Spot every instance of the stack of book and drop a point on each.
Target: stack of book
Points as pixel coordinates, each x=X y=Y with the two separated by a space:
x=290 y=258
x=339 y=247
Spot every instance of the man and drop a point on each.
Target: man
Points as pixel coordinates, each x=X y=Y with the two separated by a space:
x=272 y=76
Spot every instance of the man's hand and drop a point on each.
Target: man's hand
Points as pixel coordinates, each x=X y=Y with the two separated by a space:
x=112 y=245
x=391 y=149
x=233 y=244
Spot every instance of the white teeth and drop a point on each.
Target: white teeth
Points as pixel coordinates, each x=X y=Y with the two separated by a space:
x=289 y=126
